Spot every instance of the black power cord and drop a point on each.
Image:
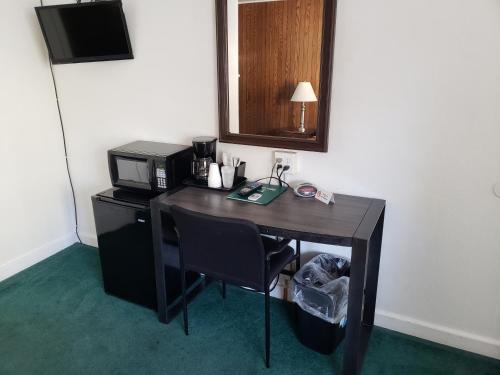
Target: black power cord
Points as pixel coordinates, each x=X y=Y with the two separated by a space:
x=278 y=168
x=271 y=178
x=272 y=172
x=64 y=144
x=284 y=169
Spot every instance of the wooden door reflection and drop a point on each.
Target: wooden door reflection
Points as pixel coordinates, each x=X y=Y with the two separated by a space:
x=279 y=46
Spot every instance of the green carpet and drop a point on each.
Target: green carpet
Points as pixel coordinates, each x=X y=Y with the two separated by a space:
x=56 y=319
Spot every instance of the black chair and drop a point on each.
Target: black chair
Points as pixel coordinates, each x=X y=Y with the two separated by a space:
x=233 y=251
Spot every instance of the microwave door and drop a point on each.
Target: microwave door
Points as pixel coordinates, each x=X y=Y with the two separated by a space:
x=134 y=173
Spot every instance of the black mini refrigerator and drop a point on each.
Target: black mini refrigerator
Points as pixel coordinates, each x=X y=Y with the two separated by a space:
x=124 y=236
x=123 y=225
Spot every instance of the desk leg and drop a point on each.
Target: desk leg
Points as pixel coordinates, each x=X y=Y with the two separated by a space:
x=161 y=294
x=353 y=340
x=372 y=272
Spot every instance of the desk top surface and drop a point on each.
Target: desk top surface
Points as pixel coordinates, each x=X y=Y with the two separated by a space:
x=288 y=215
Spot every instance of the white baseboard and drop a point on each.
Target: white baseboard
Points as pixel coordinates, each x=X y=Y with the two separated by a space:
x=428 y=331
x=88 y=239
x=443 y=335
x=35 y=255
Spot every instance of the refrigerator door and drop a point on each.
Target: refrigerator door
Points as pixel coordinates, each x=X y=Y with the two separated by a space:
x=126 y=250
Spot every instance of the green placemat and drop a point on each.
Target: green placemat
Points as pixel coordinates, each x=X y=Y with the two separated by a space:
x=268 y=194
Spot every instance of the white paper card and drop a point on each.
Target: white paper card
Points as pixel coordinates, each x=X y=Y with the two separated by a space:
x=325 y=196
x=254 y=197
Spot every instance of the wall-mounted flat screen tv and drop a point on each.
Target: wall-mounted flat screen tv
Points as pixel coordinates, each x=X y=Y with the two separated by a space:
x=85 y=32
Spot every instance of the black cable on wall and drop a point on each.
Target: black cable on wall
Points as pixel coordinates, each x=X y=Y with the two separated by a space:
x=64 y=144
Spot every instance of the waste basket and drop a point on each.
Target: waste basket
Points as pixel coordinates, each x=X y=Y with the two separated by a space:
x=320 y=291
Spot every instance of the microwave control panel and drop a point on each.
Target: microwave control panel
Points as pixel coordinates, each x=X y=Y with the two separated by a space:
x=161 y=176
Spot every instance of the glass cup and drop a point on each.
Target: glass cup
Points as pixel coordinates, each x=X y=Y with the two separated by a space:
x=226 y=158
x=228 y=176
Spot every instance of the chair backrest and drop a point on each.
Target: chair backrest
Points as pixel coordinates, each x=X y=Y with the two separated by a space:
x=226 y=249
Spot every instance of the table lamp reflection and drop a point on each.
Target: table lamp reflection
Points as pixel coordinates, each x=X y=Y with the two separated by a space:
x=304 y=93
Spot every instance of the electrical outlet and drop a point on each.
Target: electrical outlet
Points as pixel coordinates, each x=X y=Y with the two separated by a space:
x=288 y=158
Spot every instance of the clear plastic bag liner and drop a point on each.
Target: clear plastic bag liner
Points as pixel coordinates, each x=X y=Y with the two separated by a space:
x=321 y=287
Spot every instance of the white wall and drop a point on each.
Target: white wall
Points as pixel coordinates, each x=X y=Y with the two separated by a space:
x=415 y=120
x=36 y=216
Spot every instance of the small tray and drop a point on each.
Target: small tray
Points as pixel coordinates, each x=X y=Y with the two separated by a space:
x=204 y=184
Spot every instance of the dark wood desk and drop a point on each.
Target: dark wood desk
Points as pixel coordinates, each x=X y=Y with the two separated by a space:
x=355 y=222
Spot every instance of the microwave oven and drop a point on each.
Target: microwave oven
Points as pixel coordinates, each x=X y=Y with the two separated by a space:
x=149 y=166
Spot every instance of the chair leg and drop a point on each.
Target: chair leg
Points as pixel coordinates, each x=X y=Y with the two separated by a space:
x=224 y=289
x=297 y=261
x=268 y=327
x=184 y=301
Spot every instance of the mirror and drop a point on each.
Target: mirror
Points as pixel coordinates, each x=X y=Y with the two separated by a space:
x=274 y=68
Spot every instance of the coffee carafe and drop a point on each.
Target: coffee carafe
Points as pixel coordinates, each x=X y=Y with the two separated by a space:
x=204 y=149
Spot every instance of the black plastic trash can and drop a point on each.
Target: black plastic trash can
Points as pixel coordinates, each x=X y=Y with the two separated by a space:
x=320 y=291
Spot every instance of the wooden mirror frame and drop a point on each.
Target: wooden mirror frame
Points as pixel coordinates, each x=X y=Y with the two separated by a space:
x=323 y=119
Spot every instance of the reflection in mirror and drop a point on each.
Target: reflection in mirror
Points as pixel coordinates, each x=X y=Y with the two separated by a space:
x=274 y=61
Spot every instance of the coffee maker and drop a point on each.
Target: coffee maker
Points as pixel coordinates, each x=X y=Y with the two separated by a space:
x=204 y=149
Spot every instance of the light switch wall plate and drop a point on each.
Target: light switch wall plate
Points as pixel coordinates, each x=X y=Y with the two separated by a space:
x=288 y=158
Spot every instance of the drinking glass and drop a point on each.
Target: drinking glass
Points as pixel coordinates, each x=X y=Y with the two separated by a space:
x=228 y=176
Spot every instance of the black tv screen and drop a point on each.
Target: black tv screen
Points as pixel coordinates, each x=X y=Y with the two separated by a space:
x=85 y=32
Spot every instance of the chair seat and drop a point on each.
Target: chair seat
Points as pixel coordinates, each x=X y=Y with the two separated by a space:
x=279 y=260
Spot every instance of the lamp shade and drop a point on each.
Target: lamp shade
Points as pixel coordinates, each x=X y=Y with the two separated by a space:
x=304 y=93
